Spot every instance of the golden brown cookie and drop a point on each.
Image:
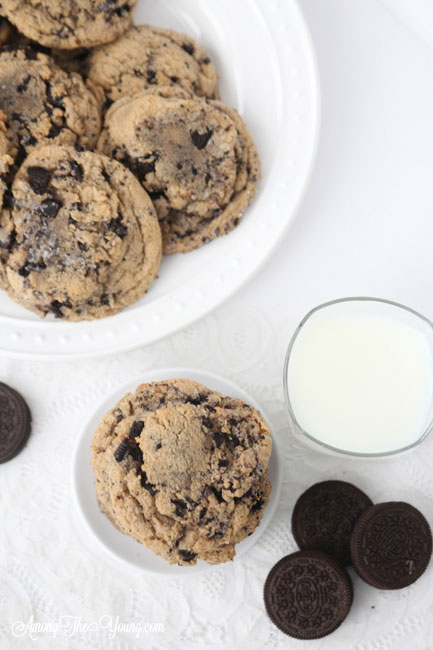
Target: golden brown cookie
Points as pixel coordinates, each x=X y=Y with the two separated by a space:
x=67 y=25
x=43 y=104
x=81 y=240
x=195 y=157
x=183 y=469
x=146 y=57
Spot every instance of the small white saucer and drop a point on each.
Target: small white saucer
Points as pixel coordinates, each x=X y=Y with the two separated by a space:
x=120 y=545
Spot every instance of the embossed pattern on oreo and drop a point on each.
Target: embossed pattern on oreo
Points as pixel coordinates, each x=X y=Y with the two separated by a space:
x=391 y=545
x=15 y=423
x=308 y=594
x=324 y=516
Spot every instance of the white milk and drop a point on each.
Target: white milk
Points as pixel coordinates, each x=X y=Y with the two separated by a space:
x=362 y=382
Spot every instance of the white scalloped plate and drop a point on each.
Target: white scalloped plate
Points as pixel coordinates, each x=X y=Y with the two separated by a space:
x=263 y=53
x=103 y=531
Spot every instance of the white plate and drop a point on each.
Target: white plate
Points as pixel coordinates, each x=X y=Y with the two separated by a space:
x=262 y=51
x=116 y=543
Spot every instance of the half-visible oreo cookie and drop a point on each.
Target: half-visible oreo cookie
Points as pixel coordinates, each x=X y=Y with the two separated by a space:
x=324 y=516
x=15 y=423
x=308 y=594
x=391 y=545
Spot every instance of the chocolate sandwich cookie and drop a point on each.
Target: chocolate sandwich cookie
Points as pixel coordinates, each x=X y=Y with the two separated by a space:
x=308 y=594
x=15 y=423
x=196 y=159
x=391 y=545
x=324 y=517
x=68 y=25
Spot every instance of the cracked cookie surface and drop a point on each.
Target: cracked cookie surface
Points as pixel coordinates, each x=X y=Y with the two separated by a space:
x=81 y=240
x=43 y=104
x=195 y=157
x=69 y=24
x=147 y=56
x=183 y=469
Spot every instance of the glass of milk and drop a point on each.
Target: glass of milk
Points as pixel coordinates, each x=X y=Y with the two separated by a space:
x=358 y=377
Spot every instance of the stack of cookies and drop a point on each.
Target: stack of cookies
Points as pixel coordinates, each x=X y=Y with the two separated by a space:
x=183 y=469
x=112 y=152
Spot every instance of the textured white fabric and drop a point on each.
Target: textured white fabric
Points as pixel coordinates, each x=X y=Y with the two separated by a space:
x=51 y=569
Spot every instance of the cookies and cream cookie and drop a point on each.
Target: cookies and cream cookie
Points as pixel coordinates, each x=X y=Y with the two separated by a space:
x=183 y=469
x=67 y=25
x=43 y=104
x=148 y=57
x=81 y=240
x=195 y=157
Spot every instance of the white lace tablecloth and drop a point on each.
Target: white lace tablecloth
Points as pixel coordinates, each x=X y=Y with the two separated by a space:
x=365 y=229
x=53 y=573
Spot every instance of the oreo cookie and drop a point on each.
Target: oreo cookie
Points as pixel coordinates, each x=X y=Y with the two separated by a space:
x=15 y=423
x=308 y=594
x=324 y=517
x=391 y=545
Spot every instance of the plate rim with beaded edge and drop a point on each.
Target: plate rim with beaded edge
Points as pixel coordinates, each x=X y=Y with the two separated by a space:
x=105 y=535
x=276 y=90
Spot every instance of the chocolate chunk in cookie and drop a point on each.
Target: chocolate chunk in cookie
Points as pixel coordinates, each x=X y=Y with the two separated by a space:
x=39 y=179
x=6 y=31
